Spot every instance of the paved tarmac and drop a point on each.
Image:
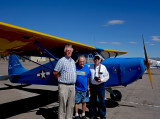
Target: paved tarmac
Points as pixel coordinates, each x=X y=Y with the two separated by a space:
x=17 y=101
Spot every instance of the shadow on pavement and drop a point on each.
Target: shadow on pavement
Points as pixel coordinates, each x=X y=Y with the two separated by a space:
x=45 y=97
x=13 y=108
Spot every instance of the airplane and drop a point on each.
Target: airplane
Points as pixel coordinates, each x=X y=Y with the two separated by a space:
x=154 y=63
x=15 y=40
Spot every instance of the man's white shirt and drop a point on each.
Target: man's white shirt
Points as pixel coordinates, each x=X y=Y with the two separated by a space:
x=103 y=75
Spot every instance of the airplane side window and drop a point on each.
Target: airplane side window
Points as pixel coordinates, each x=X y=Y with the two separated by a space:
x=89 y=59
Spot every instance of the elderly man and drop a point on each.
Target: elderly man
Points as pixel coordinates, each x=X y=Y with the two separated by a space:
x=99 y=75
x=65 y=73
x=81 y=86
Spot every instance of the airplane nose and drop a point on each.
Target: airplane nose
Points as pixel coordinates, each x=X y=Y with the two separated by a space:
x=123 y=71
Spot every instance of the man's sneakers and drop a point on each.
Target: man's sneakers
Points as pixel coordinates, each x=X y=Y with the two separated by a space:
x=77 y=117
x=83 y=117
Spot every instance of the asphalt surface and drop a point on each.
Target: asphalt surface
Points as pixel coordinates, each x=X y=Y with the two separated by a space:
x=17 y=101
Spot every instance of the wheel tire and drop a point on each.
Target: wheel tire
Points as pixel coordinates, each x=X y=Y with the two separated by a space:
x=117 y=96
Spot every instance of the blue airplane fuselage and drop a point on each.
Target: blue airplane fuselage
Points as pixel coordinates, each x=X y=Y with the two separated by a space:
x=122 y=71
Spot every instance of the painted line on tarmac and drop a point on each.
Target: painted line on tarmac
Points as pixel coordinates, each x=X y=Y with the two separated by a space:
x=135 y=103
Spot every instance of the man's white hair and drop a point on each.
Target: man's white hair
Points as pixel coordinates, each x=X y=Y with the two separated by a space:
x=68 y=46
x=81 y=56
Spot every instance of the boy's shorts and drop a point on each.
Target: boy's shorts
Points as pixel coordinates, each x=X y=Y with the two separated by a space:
x=81 y=96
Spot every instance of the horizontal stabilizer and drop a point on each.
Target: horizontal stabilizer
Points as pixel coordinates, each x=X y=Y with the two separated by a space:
x=5 y=77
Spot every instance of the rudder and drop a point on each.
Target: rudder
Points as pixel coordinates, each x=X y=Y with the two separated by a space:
x=14 y=66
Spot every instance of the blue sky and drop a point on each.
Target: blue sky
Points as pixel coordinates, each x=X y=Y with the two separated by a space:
x=107 y=24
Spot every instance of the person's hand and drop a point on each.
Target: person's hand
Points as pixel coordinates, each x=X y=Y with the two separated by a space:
x=88 y=89
x=99 y=80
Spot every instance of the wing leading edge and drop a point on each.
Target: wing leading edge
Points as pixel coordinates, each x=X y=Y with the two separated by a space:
x=14 y=39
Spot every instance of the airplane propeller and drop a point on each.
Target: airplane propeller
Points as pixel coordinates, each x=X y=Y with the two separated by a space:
x=147 y=63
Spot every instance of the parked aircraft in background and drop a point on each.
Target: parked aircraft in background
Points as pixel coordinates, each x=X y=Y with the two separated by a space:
x=154 y=63
x=25 y=42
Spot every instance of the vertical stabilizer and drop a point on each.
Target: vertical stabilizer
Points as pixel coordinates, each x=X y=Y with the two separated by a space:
x=14 y=66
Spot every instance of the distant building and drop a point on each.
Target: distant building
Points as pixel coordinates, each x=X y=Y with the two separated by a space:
x=154 y=63
x=33 y=58
x=38 y=59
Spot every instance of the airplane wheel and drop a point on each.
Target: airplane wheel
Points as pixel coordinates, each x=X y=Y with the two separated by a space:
x=117 y=96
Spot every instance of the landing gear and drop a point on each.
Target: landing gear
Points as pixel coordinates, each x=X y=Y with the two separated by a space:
x=114 y=94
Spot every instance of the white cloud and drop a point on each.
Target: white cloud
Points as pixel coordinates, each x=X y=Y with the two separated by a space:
x=132 y=42
x=147 y=42
x=103 y=42
x=152 y=44
x=156 y=38
x=116 y=43
x=114 y=22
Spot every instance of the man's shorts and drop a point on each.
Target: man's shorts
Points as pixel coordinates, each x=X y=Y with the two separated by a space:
x=81 y=96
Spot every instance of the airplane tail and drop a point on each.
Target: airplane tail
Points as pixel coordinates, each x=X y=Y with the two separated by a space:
x=14 y=66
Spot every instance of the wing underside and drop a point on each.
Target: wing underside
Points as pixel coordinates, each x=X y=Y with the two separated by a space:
x=14 y=39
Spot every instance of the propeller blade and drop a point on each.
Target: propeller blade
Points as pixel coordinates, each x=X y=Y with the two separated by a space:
x=147 y=63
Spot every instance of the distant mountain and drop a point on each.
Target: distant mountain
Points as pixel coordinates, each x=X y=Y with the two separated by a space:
x=155 y=58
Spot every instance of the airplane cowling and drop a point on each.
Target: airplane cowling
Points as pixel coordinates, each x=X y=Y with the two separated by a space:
x=123 y=71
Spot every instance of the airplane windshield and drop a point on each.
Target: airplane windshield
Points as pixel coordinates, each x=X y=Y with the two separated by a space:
x=90 y=57
x=104 y=55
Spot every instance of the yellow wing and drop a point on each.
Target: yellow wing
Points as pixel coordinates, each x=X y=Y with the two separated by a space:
x=14 y=39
